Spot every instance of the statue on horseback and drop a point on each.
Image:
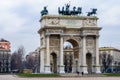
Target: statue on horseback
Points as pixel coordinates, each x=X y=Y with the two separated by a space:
x=92 y=12
x=44 y=11
x=68 y=12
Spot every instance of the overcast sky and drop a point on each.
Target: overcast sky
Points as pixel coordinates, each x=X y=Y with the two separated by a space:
x=19 y=20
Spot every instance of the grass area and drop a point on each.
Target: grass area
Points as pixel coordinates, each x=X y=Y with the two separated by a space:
x=38 y=75
x=112 y=74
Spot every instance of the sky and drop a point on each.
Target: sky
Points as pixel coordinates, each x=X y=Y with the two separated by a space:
x=19 y=20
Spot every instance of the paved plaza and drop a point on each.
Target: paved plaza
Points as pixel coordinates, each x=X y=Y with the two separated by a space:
x=14 y=77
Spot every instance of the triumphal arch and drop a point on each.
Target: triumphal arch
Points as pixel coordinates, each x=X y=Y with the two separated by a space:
x=81 y=31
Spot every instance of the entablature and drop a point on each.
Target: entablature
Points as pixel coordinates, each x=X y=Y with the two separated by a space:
x=68 y=21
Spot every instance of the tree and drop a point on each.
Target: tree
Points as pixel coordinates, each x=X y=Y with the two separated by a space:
x=106 y=61
x=17 y=59
x=32 y=61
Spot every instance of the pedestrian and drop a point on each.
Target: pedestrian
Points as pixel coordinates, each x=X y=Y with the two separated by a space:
x=78 y=73
x=82 y=73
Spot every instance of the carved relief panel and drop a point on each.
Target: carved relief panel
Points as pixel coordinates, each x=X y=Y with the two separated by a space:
x=72 y=23
x=90 y=23
x=69 y=23
x=53 y=21
x=54 y=40
x=90 y=44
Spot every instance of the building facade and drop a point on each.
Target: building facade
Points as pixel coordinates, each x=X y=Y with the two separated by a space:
x=5 y=56
x=115 y=54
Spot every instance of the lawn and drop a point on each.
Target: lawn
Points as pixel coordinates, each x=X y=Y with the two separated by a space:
x=112 y=74
x=38 y=75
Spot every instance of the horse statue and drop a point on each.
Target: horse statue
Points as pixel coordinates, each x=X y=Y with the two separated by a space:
x=93 y=12
x=74 y=11
x=66 y=10
x=79 y=10
x=44 y=11
x=61 y=12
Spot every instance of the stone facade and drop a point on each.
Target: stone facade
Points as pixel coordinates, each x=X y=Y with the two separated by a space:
x=81 y=31
x=115 y=53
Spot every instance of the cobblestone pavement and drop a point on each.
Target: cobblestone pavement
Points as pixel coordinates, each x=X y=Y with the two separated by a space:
x=14 y=77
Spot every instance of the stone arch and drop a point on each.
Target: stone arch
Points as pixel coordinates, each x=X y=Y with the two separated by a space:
x=75 y=47
x=73 y=39
x=89 y=62
x=53 y=62
x=72 y=57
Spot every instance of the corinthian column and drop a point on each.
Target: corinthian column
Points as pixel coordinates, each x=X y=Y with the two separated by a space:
x=42 y=61
x=61 y=66
x=83 y=56
x=97 y=55
x=47 y=66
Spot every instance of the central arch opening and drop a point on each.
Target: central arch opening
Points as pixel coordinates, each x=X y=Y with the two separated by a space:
x=71 y=56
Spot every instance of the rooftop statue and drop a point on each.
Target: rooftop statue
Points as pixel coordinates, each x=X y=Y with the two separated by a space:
x=67 y=11
x=92 y=12
x=44 y=11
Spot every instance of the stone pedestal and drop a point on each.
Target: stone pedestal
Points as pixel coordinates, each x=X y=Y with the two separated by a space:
x=84 y=69
x=93 y=69
x=47 y=69
x=98 y=69
x=61 y=69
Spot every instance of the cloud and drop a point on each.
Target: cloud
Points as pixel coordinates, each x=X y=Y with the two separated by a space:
x=19 y=19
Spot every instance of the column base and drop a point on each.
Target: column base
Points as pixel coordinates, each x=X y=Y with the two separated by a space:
x=84 y=69
x=42 y=69
x=61 y=69
x=47 y=69
x=93 y=69
x=73 y=69
x=98 y=70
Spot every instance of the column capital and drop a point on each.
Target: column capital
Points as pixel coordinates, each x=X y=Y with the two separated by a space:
x=61 y=35
x=97 y=36
x=47 y=34
x=83 y=36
